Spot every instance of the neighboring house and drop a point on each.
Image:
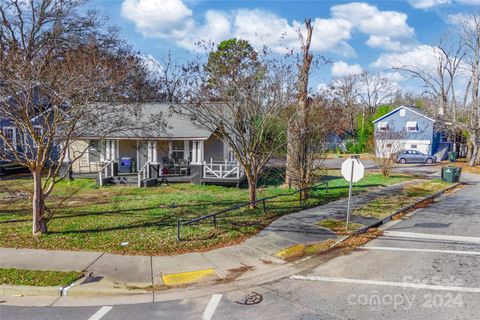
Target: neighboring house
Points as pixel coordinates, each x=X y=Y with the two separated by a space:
x=334 y=143
x=170 y=147
x=409 y=128
x=16 y=138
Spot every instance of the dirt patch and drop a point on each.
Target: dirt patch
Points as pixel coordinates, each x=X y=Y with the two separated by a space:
x=235 y=273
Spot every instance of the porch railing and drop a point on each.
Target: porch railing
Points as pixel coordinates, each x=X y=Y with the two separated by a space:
x=222 y=170
x=103 y=173
x=143 y=172
x=146 y=172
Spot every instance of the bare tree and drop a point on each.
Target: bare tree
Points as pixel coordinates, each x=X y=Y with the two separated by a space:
x=299 y=160
x=344 y=93
x=54 y=63
x=374 y=90
x=387 y=145
x=171 y=76
x=240 y=95
x=470 y=34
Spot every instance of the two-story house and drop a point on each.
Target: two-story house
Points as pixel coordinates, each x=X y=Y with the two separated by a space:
x=409 y=128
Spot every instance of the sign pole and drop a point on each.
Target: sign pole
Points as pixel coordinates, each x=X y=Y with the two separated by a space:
x=350 y=195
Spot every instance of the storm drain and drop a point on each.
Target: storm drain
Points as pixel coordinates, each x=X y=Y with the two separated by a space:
x=250 y=299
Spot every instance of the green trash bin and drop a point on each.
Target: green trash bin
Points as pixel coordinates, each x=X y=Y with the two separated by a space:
x=451 y=174
x=452 y=156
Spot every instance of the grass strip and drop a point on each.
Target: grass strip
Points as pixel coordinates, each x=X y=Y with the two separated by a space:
x=22 y=277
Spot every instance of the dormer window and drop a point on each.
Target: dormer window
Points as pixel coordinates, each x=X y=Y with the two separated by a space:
x=383 y=126
x=412 y=126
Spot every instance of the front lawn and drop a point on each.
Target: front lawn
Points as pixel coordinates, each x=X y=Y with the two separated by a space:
x=21 y=277
x=144 y=219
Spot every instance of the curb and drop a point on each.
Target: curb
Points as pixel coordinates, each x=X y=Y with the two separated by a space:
x=20 y=291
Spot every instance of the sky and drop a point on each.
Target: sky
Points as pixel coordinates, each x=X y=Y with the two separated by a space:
x=355 y=36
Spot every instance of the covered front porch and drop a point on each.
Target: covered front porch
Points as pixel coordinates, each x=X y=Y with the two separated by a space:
x=150 y=161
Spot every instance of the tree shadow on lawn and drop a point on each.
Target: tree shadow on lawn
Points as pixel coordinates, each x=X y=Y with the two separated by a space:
x=166 y=222
x=131 y=211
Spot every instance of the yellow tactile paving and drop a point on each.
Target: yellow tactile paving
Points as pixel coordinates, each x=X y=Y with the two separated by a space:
x=176 y=279
x=289 y=252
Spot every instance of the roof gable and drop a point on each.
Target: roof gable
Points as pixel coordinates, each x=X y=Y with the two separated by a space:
x=412 y=109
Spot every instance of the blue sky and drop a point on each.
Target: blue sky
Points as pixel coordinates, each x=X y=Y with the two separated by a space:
x=368 y=35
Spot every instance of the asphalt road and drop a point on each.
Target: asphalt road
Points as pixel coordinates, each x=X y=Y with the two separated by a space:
x=424 y=267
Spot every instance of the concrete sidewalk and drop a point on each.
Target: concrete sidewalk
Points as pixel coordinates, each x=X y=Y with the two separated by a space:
x=134 y=274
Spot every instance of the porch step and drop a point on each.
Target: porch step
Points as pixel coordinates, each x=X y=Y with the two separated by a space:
x=124 y=180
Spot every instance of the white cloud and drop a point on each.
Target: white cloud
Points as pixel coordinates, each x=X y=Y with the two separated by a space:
x=262 y=28
x=158 y=18
x=426 y=4
x=341 y=69
x=174 y=20
x=422 y=56
x=332 y=35
x=217 y=27
x=386 y=29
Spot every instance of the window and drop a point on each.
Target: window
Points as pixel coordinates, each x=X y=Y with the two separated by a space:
x=38 y=130
x=412 y=126
x=413 y=146
x=383 y=126
x=11 y=137
x=178 y=150
x=402 y=112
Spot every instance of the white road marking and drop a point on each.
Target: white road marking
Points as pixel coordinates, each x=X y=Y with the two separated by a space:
x=473 y=253
x=211 y=307
x=387 y=283
x=415 y=235
x=100 y=313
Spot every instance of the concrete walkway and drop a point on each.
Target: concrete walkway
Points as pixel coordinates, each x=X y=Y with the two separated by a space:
x=130 y=274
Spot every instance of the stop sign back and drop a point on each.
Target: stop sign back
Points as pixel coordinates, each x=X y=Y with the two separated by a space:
x=357 y=167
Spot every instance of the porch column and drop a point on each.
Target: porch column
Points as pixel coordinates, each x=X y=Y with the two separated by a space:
x=186 y=149
x=194 y=152
x=117 y=147
x=200 y=155
x=149 y=151
x=138 y=156
x=154 y=151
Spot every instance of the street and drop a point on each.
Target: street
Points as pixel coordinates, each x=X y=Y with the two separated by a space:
x=423 y=267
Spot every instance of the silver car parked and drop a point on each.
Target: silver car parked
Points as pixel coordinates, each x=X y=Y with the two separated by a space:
x=411 y=156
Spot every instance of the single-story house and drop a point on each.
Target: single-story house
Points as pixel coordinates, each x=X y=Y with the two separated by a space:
x=160 y=144
x=410 y=128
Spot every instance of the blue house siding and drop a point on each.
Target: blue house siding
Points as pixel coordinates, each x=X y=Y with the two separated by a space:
x=21 y=139
x=423 y=139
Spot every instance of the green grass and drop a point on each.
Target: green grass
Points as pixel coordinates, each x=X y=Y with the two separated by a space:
x=339 y=226
x=100 y=219
x=21 y=277
x=384 y=206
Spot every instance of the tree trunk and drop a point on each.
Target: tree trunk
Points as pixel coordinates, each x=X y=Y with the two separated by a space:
x=473 y=158
x=252 y=191
x=39 y=225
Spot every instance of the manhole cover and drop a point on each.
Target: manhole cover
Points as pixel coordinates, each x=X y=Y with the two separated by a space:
x=251 y=298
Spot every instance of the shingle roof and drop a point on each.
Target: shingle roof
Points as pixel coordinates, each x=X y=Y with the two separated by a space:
x=154 y=121
x=417 y=110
